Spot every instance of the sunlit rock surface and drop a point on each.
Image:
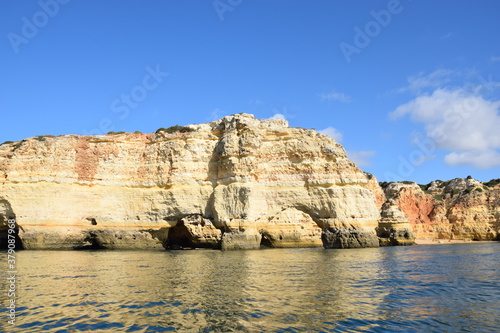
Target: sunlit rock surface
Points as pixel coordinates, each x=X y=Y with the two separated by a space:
x=235 y=183
x=394 y=227
x=459 y=209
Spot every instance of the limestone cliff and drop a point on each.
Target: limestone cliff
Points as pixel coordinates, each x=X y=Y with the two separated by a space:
x=460 y=209
x=235 y=183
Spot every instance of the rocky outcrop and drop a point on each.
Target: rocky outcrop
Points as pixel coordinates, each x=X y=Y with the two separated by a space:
x=394 y=228
x=377 y=191
x=348 y=237
x=291 y=228
x=235 y=183
x=194 y=231
x=460 y=209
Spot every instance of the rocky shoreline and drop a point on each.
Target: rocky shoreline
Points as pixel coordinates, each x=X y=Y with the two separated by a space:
x=235 y=183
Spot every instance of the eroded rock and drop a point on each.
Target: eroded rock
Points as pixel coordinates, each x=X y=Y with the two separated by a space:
x=194 y=231
x=348 y=238
x=459 y=209
x=394 y=228
x=239 y=173
x=291 y=228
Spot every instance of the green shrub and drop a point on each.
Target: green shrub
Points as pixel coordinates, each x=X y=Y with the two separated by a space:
x=438 y=197
x=137 y=132
x=18 y=145
x=478 y=189
x=455 y=191
x=7 y=142
x=384 y=184
x=41 y=138
x=175 y=128
x=119 y=132
x=407 y=182
x=444 y=184
x=492 y=182
x=425 y=188
x=369 y=175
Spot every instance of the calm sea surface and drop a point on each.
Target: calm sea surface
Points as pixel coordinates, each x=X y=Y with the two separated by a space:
x=439 y=288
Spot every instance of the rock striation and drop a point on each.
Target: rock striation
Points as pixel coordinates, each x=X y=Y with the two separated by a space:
x=235 y=183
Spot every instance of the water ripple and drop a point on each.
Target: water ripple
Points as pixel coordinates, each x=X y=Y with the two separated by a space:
x=447 y=288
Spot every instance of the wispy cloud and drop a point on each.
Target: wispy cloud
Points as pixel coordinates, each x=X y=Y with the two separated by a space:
x=494 y=58
x=361 y=158
x=448 y=35
x=278 y=116
x=255 y=102
x=335 y=96
x=332 y=133
x=420 y=82
x=283 y=112
x=217 y=114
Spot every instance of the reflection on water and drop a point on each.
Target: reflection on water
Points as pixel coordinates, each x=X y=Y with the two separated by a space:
x=451 y=288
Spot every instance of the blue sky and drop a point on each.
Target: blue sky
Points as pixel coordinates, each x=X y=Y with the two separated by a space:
x=410 y=88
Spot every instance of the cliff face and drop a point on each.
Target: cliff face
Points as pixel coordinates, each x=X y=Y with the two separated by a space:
x=460 y=209
x=235 y=183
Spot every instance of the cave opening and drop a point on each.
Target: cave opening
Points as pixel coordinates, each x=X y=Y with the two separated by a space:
x=265 y=242
x=179 y=238
x=8 y=221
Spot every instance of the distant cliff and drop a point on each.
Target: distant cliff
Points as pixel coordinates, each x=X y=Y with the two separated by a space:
x=235 y=183
x=459 y=209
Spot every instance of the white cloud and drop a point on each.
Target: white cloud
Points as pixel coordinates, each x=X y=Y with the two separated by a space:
x=480 y=159
x=332 y=133
x=486 y=86
x=459 y=121
x=419 y=82
x=282 y=112
x=361 y=158
x=278 y=116
x=335 y=96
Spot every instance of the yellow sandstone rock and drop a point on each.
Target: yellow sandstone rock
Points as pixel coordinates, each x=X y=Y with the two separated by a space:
x=456 y=210
x=235 y=183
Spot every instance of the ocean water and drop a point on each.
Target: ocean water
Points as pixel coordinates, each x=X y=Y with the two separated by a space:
x=436 y=288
